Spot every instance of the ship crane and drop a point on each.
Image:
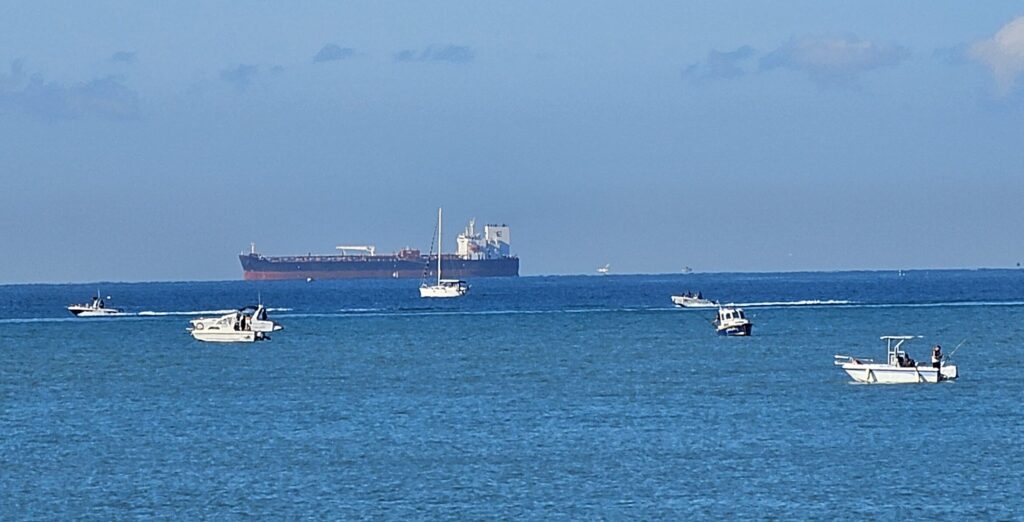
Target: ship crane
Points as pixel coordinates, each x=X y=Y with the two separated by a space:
x=367 y=249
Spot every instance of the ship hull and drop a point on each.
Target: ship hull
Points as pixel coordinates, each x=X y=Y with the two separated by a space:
x=260 y=268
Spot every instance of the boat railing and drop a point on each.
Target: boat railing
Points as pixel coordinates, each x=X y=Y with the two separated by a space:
x=840 y=360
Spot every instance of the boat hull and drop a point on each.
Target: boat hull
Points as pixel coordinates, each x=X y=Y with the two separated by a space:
x=692 y=302
x=435 y=292
x=89 y=312
x=226 y=336
x=259 y=268
x=742 y=330
x=886 y=374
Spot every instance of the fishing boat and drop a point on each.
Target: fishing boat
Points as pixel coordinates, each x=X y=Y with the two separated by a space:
x=899 y=367
x=246 y=325
x=96 y=308
x=604 y=269
x=732 y=321
x=691 y=300
x=443 y=287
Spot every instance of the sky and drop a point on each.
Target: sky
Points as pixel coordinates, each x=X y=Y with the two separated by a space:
x=144 y=141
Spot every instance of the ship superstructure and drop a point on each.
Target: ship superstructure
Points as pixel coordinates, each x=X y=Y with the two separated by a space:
x=486 y=255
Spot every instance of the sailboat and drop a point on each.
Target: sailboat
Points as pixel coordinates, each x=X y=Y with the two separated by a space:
x=444 y=287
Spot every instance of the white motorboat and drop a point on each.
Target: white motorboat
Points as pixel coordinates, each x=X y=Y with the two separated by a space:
x=691 y=300
x=898 y=368
x=604 y=269
x=443 y=287
x=732 y=321
x=96 y=308
x=246 y=325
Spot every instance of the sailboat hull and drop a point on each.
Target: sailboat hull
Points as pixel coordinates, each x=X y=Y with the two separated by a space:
x=440 y=291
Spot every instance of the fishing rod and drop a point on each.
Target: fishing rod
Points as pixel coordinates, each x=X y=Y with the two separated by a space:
x=957 y=348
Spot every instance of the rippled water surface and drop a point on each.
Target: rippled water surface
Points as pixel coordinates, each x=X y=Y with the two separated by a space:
x=560 y=397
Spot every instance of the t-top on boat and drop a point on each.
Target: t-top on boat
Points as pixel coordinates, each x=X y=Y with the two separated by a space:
x=246 y=325
x=899 y=368
x=96 y=308
x=732 y=321
x=691 y=300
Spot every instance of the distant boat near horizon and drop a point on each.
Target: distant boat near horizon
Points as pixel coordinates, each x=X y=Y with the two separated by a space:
x=96 y=308
x=604 y=269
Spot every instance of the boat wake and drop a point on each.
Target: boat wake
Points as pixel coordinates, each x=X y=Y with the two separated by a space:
x=805 y=302
x=149 y=313
x=946 y=304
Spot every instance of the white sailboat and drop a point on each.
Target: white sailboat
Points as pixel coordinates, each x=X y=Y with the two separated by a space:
x=443 y=287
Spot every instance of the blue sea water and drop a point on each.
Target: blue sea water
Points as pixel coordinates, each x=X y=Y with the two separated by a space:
x=536 y=397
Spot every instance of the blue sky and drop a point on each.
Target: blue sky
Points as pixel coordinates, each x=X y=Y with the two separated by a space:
x=154 y=141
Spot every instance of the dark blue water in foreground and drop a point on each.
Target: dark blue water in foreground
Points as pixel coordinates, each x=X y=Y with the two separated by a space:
x=560 y=397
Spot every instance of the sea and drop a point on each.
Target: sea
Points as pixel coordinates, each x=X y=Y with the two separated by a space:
x=554 y=398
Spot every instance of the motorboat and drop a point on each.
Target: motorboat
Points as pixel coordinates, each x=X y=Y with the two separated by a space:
x=898 y=368
x=732 y=321
x=691 y=300
x=443 y=287
x=96 y=308
x=604 y=270
x=245 y=325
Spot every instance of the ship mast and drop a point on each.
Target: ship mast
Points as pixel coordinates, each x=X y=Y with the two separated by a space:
x=438 y=246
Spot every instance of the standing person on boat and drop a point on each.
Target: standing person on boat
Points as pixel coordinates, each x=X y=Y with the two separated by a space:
x=937 y=356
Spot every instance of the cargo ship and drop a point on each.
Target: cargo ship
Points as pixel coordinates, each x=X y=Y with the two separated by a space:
x=487 y=255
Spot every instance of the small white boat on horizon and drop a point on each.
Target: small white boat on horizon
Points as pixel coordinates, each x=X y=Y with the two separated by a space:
x=604 y=269
x=899 y=367
x=96 y=308
x=246 y=325
x=443 y=287
x=733 y=322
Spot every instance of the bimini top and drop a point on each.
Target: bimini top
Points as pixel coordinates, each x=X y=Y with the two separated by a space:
x=898 y=337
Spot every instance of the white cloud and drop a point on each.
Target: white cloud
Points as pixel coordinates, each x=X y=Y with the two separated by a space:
x=832 y=59
x=1003 y=53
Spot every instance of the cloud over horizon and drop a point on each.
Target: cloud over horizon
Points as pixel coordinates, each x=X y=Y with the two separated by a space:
x=720 y=64
x=240 y=76
x=332 y=53
x=106 y=97
x=833 y=59
x=1003 y=54
x=123 y=57
x=457 y=54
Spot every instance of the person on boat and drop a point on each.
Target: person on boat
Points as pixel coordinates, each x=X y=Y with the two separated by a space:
x=700 y=295
x=936 y=356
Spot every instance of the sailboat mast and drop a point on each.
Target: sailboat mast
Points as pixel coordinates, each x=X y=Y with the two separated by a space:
x=439 y=246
